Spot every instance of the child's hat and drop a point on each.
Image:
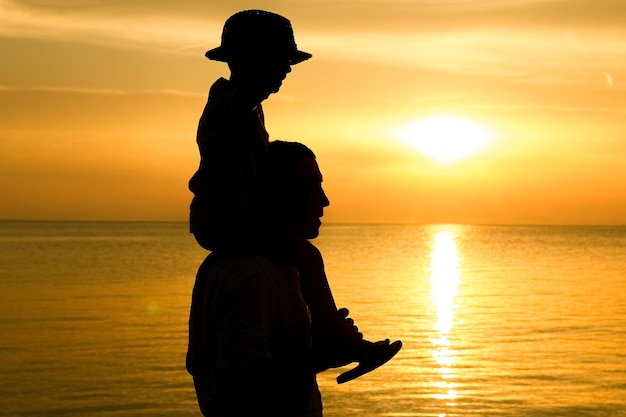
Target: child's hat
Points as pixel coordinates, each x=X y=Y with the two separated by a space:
x=257 y=32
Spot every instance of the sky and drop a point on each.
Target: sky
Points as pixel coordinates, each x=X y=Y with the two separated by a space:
x=99 y=104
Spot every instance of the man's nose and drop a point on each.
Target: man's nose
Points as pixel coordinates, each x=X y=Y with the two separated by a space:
x=325 y=200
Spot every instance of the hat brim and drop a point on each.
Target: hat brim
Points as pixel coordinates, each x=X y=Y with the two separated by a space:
x=299 y=56
x=219 y=54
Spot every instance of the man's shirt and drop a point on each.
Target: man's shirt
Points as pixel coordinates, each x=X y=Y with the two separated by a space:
x=249 y=339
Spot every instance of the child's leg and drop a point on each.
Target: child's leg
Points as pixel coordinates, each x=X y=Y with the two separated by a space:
x=334 y=337
x=336 y=341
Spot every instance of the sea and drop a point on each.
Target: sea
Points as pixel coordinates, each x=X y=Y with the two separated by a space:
x=495 y=320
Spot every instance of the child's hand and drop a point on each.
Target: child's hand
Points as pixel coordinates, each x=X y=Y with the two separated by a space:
x=343 y=313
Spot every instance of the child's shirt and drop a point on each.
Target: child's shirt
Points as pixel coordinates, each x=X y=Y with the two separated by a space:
x=232 y=141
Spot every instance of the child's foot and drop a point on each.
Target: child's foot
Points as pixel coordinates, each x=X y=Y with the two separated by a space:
x=377 y=355
x=342 y=344
x=338 y=342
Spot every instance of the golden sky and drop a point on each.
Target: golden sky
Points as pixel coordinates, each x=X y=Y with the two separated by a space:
x=99 y=102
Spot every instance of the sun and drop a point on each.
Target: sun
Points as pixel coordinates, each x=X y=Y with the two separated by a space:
x=446 y=139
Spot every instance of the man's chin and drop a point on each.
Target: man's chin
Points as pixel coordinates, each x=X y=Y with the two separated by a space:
x=313 y=232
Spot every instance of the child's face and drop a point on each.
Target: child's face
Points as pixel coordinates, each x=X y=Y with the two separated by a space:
x=272 y=72
x=263 y=74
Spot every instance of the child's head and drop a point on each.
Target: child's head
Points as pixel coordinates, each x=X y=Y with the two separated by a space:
x=259 y=48
x=257 y=35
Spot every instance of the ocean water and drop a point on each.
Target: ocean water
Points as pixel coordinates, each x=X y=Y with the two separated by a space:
x=495 y=320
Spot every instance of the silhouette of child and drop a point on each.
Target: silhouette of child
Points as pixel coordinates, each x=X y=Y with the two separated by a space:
x=259 y=48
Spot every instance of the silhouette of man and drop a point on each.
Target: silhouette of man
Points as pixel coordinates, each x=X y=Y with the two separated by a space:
x=250 y=350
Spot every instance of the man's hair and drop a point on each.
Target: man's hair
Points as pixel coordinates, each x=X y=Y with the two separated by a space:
x=282 y=157
x=281 y=180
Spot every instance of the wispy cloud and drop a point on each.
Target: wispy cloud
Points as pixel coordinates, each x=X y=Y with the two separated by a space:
x=524 y=52
x=541 y=54
x=545 y=55
x=158 y=31
x=463 y=4
x=560 y=109
x=99 y=91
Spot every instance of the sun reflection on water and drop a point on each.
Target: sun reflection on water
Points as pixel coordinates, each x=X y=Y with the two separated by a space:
x=445 y=277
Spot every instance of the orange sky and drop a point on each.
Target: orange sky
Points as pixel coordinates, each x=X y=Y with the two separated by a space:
x=99 y=103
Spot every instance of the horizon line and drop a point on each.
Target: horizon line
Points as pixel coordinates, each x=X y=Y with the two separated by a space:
x=338 y=223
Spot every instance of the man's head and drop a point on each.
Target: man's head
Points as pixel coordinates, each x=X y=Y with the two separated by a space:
x=291 y=188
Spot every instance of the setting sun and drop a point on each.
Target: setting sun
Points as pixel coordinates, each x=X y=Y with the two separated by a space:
x=445 y=138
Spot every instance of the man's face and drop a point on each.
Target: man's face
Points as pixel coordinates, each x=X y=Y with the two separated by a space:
x=312 y=199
